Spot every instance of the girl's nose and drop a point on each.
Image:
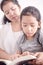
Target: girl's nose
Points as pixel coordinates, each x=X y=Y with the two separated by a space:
x=29 y=28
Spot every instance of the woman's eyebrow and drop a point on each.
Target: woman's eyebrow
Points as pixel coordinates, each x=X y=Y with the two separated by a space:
x=5 y=11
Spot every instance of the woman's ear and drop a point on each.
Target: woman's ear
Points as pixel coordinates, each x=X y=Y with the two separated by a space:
x=39 y=24
x=20 y=8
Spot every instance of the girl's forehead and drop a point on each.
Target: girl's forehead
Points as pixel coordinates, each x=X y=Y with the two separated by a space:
x=29 y=19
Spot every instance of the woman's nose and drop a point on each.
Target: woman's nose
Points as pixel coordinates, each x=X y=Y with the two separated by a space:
x=11 y=13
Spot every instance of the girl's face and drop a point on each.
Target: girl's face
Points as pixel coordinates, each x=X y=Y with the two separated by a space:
x=11 y=11
x=30 y=25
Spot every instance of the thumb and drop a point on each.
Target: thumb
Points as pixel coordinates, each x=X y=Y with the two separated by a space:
x=36 y=54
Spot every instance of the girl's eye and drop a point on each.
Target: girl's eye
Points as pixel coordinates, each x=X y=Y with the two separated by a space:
x=32 y=25
x=24 y=25
x=12 y=9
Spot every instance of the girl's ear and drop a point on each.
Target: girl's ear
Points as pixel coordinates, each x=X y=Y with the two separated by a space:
x=39 y=24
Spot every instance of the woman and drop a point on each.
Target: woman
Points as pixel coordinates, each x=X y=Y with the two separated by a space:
x=11 y=30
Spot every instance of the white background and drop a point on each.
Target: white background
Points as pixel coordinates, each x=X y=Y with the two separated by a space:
x=24 y=3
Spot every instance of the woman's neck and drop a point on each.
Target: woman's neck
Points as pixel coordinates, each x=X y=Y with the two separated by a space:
x=16 y=26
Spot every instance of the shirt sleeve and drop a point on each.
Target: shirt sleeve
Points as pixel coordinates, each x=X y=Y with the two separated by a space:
x=21 y=39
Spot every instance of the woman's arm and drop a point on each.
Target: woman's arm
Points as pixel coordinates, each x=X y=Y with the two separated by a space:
x=4 y=55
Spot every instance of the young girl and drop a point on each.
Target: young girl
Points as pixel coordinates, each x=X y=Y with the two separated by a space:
x=11 y=30
x=32 y=40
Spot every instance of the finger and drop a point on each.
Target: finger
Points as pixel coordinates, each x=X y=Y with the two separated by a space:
x=36 y=54
x=39 y=62
x=26 y=53
x=32 y=62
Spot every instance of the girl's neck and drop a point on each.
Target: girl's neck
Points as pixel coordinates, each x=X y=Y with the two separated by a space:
x=29 y=38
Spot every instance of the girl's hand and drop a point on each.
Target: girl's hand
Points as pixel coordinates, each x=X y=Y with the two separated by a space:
x=25 y=53
x=39 y=60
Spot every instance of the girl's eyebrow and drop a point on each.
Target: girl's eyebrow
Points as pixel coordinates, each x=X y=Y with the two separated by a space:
x=31 y=23
x=24 y=23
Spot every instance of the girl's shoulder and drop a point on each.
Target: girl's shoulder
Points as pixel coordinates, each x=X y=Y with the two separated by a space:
x=41 y=36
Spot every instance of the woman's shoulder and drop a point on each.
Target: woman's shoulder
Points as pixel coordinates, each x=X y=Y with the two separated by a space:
x=4 y=29
x=5 y=26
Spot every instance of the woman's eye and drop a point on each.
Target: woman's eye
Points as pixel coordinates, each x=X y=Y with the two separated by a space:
x=13 y=9
x=7 y=13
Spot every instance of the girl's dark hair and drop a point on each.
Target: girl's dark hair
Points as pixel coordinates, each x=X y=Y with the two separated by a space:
x=4 y=3
x=30 y=10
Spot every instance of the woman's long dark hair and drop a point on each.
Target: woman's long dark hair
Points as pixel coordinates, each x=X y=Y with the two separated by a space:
x=5 y=20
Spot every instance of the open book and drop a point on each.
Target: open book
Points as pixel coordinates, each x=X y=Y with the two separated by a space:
x=18 y=60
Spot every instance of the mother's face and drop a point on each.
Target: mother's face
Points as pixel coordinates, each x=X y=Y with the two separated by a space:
x=11 y=11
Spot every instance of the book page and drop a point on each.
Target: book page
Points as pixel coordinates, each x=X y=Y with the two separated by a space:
x=18 y=60
x=7 y=62
x=22 y=59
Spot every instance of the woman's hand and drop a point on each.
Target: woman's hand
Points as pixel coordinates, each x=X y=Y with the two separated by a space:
x=14 y=56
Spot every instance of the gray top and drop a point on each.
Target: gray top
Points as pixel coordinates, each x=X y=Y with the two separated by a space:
x=35 y=45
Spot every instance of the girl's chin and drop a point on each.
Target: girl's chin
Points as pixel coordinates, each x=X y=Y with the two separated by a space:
x=29 y=35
